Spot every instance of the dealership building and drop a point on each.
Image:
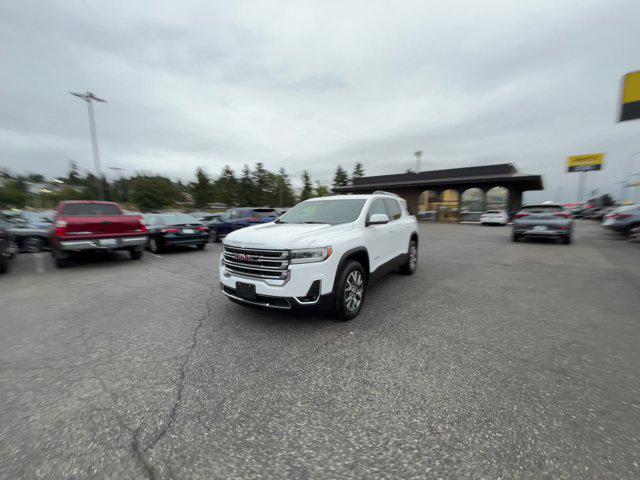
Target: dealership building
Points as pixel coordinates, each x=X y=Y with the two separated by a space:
x=454 y=194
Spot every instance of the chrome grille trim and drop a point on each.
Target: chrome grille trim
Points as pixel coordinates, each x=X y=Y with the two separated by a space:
x=256 y=263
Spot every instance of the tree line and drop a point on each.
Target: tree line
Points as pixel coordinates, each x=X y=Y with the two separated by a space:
x=145 y=191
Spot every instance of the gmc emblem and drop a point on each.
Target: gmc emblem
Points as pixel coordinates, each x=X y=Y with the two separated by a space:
x=243 y=257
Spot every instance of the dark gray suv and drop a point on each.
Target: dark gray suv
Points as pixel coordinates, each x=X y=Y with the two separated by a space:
x=543 y=220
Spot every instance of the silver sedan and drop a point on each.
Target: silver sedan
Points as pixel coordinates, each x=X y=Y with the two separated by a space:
x=543 y=220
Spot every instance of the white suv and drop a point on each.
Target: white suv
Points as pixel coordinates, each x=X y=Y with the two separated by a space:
x=321 y=255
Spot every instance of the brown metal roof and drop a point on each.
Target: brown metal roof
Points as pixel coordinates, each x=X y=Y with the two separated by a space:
x=498 y=174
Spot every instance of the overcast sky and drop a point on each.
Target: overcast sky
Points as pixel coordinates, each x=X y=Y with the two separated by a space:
x=310 y=85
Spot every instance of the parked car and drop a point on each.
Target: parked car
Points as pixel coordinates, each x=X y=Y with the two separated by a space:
x=321 y=255
x=494 y=217
x=208 y=219
x=623 y=219
x=95 y=226
x=6 y=245
x=174 y=229
x=30 y=231
x=543 y=220
x=236 y=218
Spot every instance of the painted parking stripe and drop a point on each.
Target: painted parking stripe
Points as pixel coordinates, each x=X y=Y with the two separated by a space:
x=39 y=260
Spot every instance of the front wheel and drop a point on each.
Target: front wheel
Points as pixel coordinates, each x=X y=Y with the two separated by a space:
x=410 y=266
x=350 y=291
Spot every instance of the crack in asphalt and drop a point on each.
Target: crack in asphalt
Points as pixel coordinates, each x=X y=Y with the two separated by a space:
x=139 y=450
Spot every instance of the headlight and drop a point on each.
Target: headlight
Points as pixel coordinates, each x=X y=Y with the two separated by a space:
x=309 y=255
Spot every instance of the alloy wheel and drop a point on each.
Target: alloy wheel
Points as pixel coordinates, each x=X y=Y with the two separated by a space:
x=353 y=291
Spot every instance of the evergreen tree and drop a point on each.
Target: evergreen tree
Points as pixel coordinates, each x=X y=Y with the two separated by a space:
x=201 y=189
x=246 y=188
x=341 y=178
x=358 y=171
x=74 y=175
x=226 y=187
x=154 y=192
x=263 y=186
x=322 y=190
x=307 y=186
x=284 y=191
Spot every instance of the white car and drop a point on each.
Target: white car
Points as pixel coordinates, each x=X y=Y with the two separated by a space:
x=494 y=217
x=321 y=255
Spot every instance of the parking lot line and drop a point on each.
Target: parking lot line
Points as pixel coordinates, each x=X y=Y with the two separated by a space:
x=39 y=261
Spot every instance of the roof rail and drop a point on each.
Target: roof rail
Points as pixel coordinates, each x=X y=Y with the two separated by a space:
x=382 y=192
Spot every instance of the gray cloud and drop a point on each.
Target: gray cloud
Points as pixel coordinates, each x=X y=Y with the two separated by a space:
x=310 y=85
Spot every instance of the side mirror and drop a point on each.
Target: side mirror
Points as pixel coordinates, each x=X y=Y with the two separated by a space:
x=378 y=219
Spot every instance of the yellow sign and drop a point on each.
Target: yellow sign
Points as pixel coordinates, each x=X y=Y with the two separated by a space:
x=585 y=163
x=630 y=109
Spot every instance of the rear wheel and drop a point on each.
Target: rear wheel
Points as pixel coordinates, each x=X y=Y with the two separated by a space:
x=213 y=236
x=515 y=236
x=4 y=263
x=154 y=247
x=350 y=291
x=410 y=266
x=201 y=246
x=567 y=240
x=135 y=253
x=33 y=244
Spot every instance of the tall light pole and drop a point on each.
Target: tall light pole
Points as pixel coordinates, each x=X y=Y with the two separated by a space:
x=626 y=174
x=115 y=171
x=418 y=156
x=90 y=98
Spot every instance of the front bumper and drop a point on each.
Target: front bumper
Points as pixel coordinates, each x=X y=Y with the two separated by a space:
x=99 y=244
x=320 y=306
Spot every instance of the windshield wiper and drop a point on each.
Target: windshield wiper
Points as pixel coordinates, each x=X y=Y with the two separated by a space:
x=321 y=223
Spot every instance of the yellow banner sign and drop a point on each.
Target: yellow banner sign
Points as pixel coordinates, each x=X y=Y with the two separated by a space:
x=630 y=108
x=585 y=163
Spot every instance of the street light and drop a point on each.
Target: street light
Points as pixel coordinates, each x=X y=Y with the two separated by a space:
x=90 y=98
x=418 y=156
x=626 y=174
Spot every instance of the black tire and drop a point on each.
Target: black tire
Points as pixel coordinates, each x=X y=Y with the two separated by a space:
x=213 y=237
x=154 y=246
x=353 y=274
x=515 y=236
x=62 y=261
x=201 y=246
x=567 y=240
x=4 y=263
x=33 y=244
x=411 y=265
x=136 y=253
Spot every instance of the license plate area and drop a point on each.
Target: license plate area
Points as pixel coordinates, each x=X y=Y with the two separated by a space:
x=108 y=242
x=188 y=231
x=246 y=290
x=540 y=228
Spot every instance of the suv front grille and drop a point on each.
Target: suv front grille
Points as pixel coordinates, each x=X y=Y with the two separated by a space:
x=251 y=262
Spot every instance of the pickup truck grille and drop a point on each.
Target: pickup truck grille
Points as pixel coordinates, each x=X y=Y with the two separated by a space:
x=250 y=262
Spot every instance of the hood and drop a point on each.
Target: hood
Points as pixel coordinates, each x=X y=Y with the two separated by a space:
x=283 y=236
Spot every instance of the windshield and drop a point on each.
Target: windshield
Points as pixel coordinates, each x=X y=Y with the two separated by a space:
x=90 y=210
x=324 y=211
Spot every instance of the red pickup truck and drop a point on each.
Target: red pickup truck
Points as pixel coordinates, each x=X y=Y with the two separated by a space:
x=95 y=226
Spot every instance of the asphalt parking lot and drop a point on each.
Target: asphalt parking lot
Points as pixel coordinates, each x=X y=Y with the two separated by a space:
x=496 y=360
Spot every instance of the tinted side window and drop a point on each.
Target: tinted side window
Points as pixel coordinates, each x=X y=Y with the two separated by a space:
x=393 y=209
x=376 y=207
